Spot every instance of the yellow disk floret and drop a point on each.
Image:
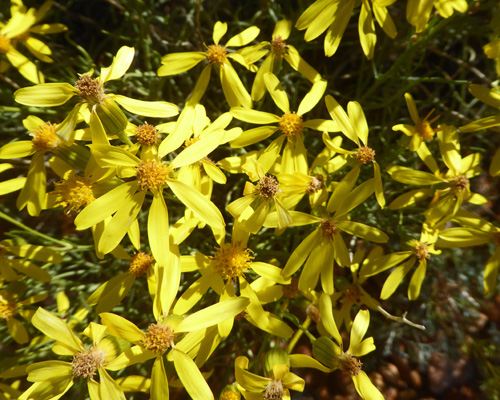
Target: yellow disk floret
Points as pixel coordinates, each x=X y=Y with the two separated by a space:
x=86 y=363
x=158 y=339
x=147 y=134
x=329 y=228
x=7 y=308
x=274 y=390
x=75 y=191
x=4 y=44
x=151 y=174
x=421 y=250
x=460 y=183
x=350 y=364
x=268 y=187
x=365 y=155
x=45 y=137
x=278 y=45
x=140 y=263
x=291 y=124
x=216 y=54
x=231 y=260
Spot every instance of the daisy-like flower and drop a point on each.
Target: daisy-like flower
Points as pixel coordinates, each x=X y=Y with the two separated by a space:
x=125 y=201
x=218 y=56
x=54 y=378
x=418 y=250
x=332 y=353
x=277 y=383
x=20 y=258
x=492 y=98
x=422 y=130
x=354 y=127
x=333 y=17
x=290 y=124
x=102 y=107
x=418 y=12
x=19 y=28
x=452 y=187
x=47 y=137
x=229 y=264
x=164 y=337
x=252 y=209
x=475 y=231
x=11 y=305
x=325 y=245
x=279 y=50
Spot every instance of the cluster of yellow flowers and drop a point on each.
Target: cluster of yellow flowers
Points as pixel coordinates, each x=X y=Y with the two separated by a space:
x=111 y=171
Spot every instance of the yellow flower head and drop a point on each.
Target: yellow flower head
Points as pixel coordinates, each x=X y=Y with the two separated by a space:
x=158 y=338
x=152 y=174
x=86 y=362
x=45 y=137
x=75 y=192
x=140 y=263
x=231 y=260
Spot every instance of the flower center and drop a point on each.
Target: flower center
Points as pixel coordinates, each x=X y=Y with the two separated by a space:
x=90 y=90
x=365 y=155
x=460 y=183
x=231 y=260
x=216 y=54
x=45 y=137
x=7 y=308
x=317 y=183
x=268 y=187
x=421 y=250
x=278 y=45
x=352 y=294
x=147 y=134
x=86 y=362
x=349 y=364
x=4 y=44
x=291 y=124
x=158 y=339
x=329 y=228
x=230 y=392
x=274 y=390
x=75 y=191
x=424 y=130
x=140 y=263
x=151 y=174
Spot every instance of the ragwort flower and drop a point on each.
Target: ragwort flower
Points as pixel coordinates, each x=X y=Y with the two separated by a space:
x=217 y=56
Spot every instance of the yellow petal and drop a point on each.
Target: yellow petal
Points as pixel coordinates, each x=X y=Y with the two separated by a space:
x=56 y=329
x=282 y=29
x=233 y=88
x=109 y=388
x=109 y=295
x=317 y=18
x=304 y=361
x=177 y=63
x=300 y=254
x=156 y=109
x=340 y=117
x=253 y=116
x=293 y=58
x=48 y=370
x=108 y=156
x=336 y=31
x=365 y=387
x=413 y=177
x=25 y=67
x=22 y=148
x=326 y=312
x=358 y=121
x=45 y=95
x=312 y=98
x=199 y=149
x=326 y=351
x=416 y=280
x=377 y=265
x=158 y=228
x=277 y=92
x=121 y=63
x=159 y=380
x=269 y=272
x=193 y=294
x=213 y=314
x=491 y=272
x=486 y=95
x=191 y=377
x=220 y=29
x=358 y=329
x=366 y=232
x=366 y=30
x=17 y=331
x=243 y=38
x=122 y=328
x=395 y=278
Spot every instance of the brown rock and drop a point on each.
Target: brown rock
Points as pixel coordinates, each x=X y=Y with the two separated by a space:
x=390 y=373
x=391 y=393
x=378 y=380
x=407 y=394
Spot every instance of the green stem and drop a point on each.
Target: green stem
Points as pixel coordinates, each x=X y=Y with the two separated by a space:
x=34 y=232
x=298 y=335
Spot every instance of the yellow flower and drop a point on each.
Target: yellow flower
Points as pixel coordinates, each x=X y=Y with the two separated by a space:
x=422 y=129
x=19 y=29
x=492 y=50
x=419 y=250
x=10 y=306
x=228 y=265
x=47 y=137
x=218 y=56
x=291 y=125
x=354 y=127
x=105 y=115
x=325 y=245
x=332 y=354
x=492 y=98
x=275 y=385
x=252 y=209
x=334 y=16
x=446 y=201
x=279 y=50
x=124 y=202
x=475 y=231
x=54 y=378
